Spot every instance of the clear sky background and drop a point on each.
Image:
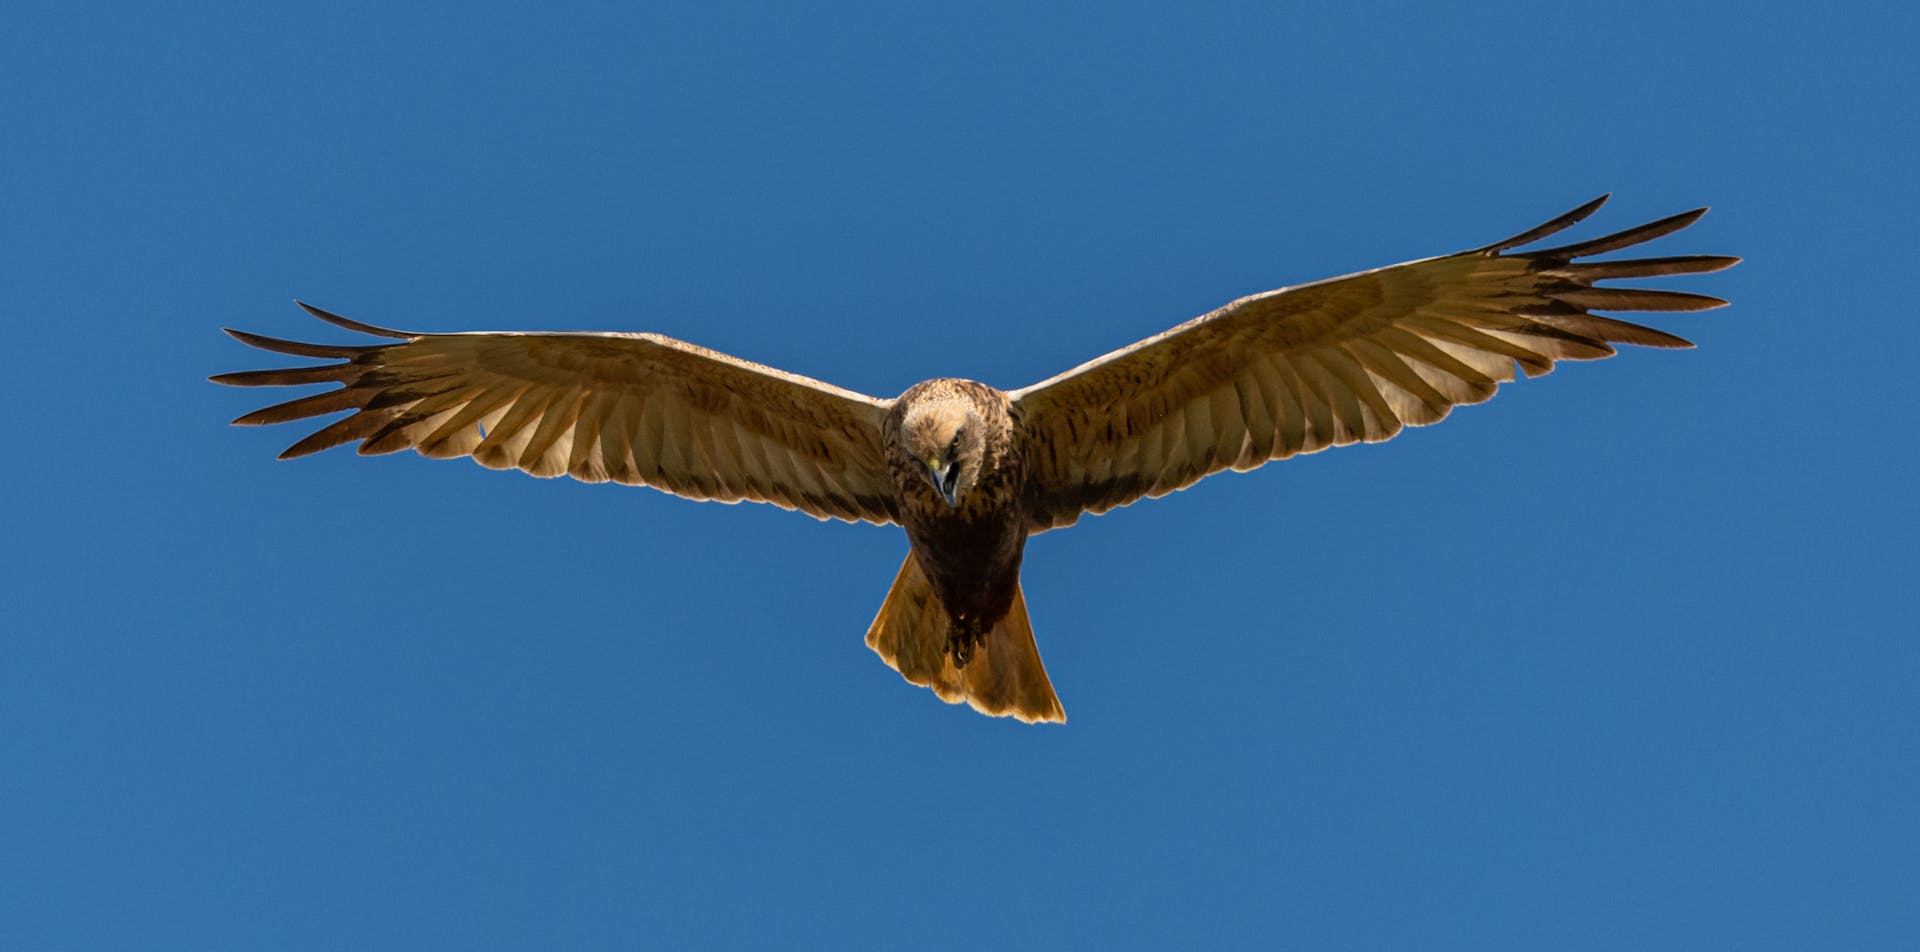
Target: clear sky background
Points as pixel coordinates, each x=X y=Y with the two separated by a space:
x=1623 y=659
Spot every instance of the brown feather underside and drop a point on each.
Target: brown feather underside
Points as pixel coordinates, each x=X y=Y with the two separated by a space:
x=1346 y=360
x=639 y=409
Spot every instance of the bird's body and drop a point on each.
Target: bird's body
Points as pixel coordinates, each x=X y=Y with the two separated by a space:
x=954 y=619
x=970 y=548
x=971 y=471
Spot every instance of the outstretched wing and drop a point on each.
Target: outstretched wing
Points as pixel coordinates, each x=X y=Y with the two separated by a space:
x=639 y=409
x=1339 y=361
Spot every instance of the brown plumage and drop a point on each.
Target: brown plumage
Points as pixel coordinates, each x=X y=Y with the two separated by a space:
x=971 y=471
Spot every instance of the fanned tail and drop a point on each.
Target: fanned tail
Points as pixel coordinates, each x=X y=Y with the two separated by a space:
x=1002 y=678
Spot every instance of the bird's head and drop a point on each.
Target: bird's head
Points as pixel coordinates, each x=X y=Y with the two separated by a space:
x=949 y=440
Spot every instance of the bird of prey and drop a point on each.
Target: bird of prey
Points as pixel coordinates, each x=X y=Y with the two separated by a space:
x=970 y=471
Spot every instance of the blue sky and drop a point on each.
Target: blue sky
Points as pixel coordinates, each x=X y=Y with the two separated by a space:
x=1623 y=659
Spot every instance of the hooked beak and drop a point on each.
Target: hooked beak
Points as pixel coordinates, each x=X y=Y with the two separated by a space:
x=947 y=481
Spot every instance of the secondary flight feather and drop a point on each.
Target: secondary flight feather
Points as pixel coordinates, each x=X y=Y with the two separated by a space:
x=970 y=471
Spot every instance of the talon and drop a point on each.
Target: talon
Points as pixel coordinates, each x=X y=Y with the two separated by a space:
x=962 y=635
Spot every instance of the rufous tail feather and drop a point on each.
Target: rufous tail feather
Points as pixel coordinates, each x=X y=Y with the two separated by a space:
x=1003 y=677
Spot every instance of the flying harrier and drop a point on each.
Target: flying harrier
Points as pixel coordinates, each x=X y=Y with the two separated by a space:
x=970 y=471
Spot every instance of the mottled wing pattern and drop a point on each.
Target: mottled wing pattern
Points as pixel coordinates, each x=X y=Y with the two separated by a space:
x=1346 y=360
x=639 y=409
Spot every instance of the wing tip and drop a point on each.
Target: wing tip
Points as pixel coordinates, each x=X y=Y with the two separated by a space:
x=1625 y=238
x=353 y=325
x=1551 y=226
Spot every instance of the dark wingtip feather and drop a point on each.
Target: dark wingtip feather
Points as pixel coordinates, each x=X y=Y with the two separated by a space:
x=356 y=427
x=1618 y=331
x=1628 y=238
x=1644 y=267
x=353 y=325
x=1540 y=231
x=1636 y=299
x=287 y=377
x=311 y=405
x=294 y=347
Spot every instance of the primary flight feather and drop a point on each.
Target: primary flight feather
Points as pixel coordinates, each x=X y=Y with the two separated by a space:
x=970 y=471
